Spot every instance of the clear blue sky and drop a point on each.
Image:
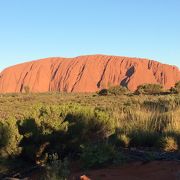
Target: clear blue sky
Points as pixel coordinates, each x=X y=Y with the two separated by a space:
x=33 y=29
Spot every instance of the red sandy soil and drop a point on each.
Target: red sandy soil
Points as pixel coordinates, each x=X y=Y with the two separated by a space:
x=86 y=74
x=157 y=170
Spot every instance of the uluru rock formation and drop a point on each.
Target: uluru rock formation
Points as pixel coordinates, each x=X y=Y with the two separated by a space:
x=86 y=74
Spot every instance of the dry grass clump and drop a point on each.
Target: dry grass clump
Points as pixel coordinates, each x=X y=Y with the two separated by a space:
x=169 y=144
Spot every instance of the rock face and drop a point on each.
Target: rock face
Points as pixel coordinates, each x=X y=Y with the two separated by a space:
x=86 y=74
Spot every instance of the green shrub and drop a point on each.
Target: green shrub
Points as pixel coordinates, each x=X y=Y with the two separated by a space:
x=149 y=89
x=99 y=155
x=90 y=124
x=9 y=138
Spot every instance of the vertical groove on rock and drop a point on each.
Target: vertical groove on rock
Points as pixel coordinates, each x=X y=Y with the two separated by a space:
x=78 y=77
x=103 y=72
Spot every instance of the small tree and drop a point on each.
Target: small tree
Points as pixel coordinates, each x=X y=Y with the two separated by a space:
x=149 y=89
x=27 y=89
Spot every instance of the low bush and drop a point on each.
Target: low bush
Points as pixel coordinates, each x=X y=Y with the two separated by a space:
x=99 y=155
x=114 y=90
x=150 y=89
x=118 y=90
